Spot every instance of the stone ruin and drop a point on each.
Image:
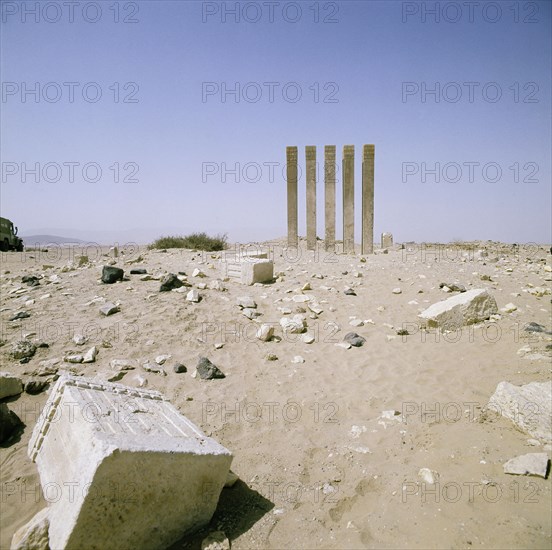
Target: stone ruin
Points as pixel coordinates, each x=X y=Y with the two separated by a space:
x=127 y=469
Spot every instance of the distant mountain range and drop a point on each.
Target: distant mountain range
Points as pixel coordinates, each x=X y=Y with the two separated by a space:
x=42 y=240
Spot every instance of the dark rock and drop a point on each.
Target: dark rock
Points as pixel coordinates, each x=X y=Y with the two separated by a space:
x=43 y=345
x=112 y=274
x=354 y=339
x=182 y=273
x=25 y=360
x=34 y=387
x=403 y=332
x=454 y=287
x=169 y=282
x=23 y=349
x=10 y=424
x=208 y=371
x=138 y=271
x=350 y=292
x=20 y=315
x=31 y=280
x=535 y=327
x=179 y=368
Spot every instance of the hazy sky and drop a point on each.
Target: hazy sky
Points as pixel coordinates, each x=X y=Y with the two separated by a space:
x=156 y=117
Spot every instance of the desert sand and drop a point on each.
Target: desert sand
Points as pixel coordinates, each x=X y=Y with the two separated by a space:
x=320 y=464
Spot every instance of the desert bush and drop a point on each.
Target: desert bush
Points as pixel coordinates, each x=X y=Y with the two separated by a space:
x=199 y=241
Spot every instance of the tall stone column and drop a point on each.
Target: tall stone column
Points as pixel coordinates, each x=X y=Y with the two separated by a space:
x=310 y=157
x=329 y=197
x=368 y=154
x=291 y=176
x=348 y=198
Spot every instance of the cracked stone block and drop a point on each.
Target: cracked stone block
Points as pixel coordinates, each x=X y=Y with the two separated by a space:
x=122 y=468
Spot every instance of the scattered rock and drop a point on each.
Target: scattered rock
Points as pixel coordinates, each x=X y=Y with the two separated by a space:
x=308 y=338
x=35 y=386
x=31 y=280
x=160 y=359
x=79 y=339
x=344 y=345
x=528 y=406
x=356 y=322
x=402 y=332
x=121 y=364
x=207 y=370
x=109 y=309
x=20 y=315
x=151 y=367
x=10 y=385
x=138 y=271
x=10 y=424
x=73 y=358
x=112 y=274
x=198 y=273
x=354 y=339
x=34 y=534
x=246 y=302
x=23 y=349
x=453 y=287
x=169 y=282
x=508 y=308
x=296 y=325
x=250 y=313
x=216 y=540
x=90 y=355
x=349 y=292
x=179 y=368
x=463 y=309
x=271 y=357
x=193 y=296
x=397 y=291
x=298 y=359
x=265 y=332
x=532 y=464
x=429 y=476
x=535 y=327
x=315 y=308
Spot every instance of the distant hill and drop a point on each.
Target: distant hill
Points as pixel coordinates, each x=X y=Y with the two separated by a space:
x=41 y=240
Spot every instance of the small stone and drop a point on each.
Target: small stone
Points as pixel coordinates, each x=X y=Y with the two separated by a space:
x=296 y=325
x=35 y=386
x=301 y=298
x=356 y=322
x=111 y=274
x=31 y=280
x=397 y=291
x=23 y=349
x=207 y=370
x=179 y=368
x=10 y=385
x=265 y=332
x=150 y=367
x=170 y=282
x=306 y=286
x=216 y=540
x=534 y=327
x=73 y=358
x=246 y=302
x=402 y=332
x=217 y=285
x=160 y=359
x=121 y=364
x=271 y=357
x=79 y=339
x=354 y=339
x=138 y=271
x=308 y=338
x=90 y=355
x=349 y=292
x=219 y=345
x=250 y=313
x=298 y=359
x=344 y=345
x=20 y=315
x=532 y=464
x=508 y=308
x=109 y=309
x=429 y=476
x=315 y=308
x=193 y=296
x=198 y=273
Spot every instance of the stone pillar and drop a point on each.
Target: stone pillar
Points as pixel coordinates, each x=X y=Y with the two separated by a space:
x=348 y=198
x=329 y=197
x=310 y=157
x=368 y=199
x=291 y=176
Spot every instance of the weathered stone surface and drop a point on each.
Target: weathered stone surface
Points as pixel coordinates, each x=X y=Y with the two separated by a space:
x=109 y=309
x=23 y=349
x=10 y=385
x=246 y=302
x=466 y=308
x=90 y=355
x=386 y=240
x=193 y=296
x=216 y=540
x=532 y=464
x=112 y=274
x=35 y=386
x=296 y=325
x=73 y=358
x=34 y=534
x=529 y=407
x=10 y=423
x=122 y=437
x=169 y=282
x=207 y=370
x=248 y=271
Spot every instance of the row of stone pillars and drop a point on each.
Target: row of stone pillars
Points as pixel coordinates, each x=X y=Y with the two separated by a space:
x=348 y=171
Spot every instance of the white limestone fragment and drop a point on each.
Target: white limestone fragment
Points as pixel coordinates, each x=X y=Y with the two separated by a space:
x=533 y=464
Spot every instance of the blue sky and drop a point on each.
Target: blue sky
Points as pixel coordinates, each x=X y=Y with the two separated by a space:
x=163 y=120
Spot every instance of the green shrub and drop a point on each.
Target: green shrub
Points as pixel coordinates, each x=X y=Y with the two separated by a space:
x=200 y=241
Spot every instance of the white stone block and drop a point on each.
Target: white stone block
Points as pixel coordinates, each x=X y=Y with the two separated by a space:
x=386 y=240
x=127 y=469
x=249 y=271
x=466 y=308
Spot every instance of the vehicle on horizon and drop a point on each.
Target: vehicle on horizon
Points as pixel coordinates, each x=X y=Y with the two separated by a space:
x=8 y=236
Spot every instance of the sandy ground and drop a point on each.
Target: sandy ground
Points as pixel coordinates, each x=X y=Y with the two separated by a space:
x=318 y=465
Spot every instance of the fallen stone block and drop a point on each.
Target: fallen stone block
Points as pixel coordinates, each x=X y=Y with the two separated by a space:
x=141 y=475
x=531 y=464
x=112 y=274
x=10 y=385
x=386 y=240
x=466 y=308
x=529 y=407
x=249 y=271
